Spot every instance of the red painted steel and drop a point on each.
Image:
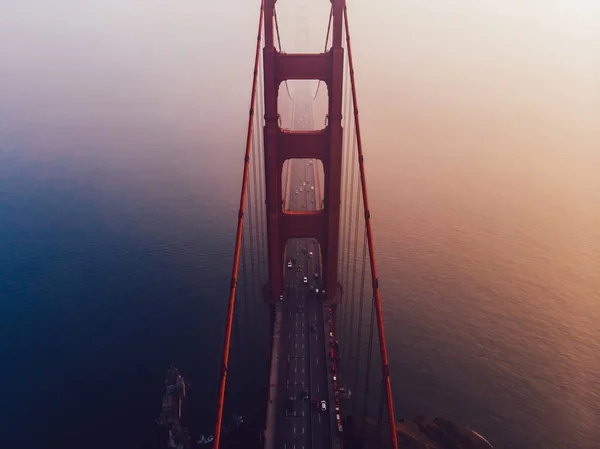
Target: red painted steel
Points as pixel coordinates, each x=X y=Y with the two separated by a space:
x=325 y=145
x=302 y=66
x=333 y=167
x=238 y=242
x=307 y=144
x=382 y=344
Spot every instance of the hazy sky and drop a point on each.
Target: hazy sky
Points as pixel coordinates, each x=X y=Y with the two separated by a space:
x=526 y=71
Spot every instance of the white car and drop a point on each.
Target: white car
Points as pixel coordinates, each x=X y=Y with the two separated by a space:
x=296 y=191
x=310 y=254
x=289 y=264
x=305 y=280
x=323 y=406
x=312 y=187
x=281 y=297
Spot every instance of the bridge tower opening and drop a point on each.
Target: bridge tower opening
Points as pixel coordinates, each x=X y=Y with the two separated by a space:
x=324 y=145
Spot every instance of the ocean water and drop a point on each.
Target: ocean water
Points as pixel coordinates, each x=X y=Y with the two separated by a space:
x=115 y=264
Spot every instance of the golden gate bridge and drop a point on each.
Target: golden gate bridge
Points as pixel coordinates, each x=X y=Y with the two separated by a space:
x=304 y=251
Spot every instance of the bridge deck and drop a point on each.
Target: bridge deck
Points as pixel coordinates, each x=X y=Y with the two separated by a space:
x=301 y=348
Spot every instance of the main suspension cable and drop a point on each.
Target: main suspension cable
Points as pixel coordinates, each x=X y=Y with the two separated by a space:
x=238 y=242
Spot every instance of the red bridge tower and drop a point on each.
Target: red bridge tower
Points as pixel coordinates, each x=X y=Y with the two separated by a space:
x=324 y=145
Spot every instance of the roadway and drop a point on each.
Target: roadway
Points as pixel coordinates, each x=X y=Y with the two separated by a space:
x=303 y=343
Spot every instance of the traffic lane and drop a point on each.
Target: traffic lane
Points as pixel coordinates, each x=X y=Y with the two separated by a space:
x=306 y=352
x=301 y=317
x=285 y=375
x=319 y=384
x=300 y=293
x=301 y=349
x=326 y=435
x=296 y=376
x=297 y=426
x=322 y=430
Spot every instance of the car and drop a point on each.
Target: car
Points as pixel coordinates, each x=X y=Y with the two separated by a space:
x=316 y=275
x=310 y=254
x=317 y=291
x=281 y=297
x=289 y=264
x=305 y=280
x=301 y=189
x=296 y=191
x=304 y=206
x=313 y=328
x=304 y=395
x=304 y=183
x=323 y=406
x=290 y=403
x=312 y=187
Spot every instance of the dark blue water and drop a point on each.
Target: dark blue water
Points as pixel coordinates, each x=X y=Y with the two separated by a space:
x=111 y=270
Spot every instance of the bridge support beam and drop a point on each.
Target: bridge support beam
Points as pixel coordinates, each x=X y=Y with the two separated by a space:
x=325 y=145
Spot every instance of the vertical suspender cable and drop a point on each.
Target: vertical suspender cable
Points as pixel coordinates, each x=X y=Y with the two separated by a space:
x=279 y=45
x=325 y=49
x=254 y=213
x=352 y=289
x=360 y=318
x=238 y=242
x=377 y=297
x=346 y=155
